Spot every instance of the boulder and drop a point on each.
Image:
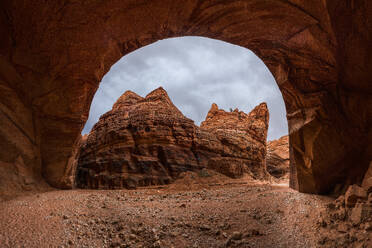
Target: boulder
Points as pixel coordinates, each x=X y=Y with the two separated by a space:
x=353 y=219
x=353 y=194
x=360 y=213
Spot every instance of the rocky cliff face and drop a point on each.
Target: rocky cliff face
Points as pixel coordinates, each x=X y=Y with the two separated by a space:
x=148 y=141
x=242 y=138
x=277 y=159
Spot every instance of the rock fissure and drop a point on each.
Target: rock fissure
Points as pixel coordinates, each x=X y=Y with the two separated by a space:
x=18 y=127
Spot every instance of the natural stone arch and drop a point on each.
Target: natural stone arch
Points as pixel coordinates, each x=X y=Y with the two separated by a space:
x=57 y=52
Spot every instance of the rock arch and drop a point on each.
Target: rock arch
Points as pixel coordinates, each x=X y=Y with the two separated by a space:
x=54 y=54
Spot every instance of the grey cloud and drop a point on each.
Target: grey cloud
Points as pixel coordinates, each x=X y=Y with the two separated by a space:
x=195 y=72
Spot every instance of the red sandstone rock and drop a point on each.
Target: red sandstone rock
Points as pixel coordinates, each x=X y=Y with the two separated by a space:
x=277 y=158
x=353 y=193
x=353 y=218
x=367 y=181
x=141 y=141
x=68 y=179
x=148 y=141
x=254 y=124
x=242 y=136
x=54 y=54
x=361 y=212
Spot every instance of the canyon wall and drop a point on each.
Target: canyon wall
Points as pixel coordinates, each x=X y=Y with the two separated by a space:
x=148 y=141
x=54 y=54
x=277 y=158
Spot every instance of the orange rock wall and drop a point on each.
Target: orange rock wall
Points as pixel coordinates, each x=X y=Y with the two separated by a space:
x=54 y=54
x=277 y=158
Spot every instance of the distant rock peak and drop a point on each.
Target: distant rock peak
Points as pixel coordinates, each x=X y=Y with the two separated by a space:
x=158 y=93
x=260 y=111
x=214 y=107
x=238 y=120
x=127 y=99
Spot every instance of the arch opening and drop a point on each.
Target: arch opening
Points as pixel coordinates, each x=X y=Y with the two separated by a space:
x=196 y=73
x=322 y=70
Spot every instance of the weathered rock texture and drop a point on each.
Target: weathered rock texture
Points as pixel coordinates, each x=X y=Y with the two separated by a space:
x=141 y=141
x=277 y=158
x=367 y=180
x=347 y=222
x=54 y=54
x=242 y=137
x=148 y=141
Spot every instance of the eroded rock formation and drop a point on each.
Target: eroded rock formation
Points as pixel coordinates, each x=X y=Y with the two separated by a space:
x=347 y=222
x=54 y=54
x=148 y=141
x=242 y=137
x=277 y=158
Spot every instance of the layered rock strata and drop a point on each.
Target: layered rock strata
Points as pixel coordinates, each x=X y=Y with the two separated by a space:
x=242 y=139
x=148 y=141
x=277 y=158
x=53 y=55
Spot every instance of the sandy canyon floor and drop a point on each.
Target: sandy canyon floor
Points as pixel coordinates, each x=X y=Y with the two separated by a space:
x=195 y=211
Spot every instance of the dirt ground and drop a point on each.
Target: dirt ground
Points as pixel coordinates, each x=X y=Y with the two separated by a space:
x=198 y=210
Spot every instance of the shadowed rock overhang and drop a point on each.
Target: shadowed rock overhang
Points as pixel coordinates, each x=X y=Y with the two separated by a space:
x=54 y=54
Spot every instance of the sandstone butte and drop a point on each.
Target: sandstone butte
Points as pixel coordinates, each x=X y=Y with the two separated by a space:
x=53 y=55
x=277 y=158
x=148 y=141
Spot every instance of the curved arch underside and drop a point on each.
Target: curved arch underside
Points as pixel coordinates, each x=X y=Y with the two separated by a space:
x=54 y=54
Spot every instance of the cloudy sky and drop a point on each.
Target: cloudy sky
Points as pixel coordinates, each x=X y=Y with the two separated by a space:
x=195 y=72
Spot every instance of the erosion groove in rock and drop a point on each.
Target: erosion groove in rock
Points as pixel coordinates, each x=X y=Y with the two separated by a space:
x=54 y=54
x=148 y=141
